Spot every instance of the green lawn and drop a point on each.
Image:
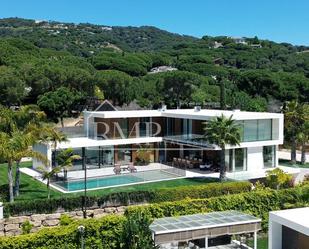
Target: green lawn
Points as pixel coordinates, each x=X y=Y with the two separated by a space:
x=29 y=189
x=33 y=189
x=288 y=163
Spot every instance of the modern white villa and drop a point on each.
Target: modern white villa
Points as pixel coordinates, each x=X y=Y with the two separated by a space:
x=166 y=142
x=289 y=229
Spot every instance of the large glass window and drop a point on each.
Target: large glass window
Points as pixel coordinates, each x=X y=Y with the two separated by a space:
x=236 y=159
x=186 y=127
x=257 y=130
x=264 y=129
x=250 y=130
x=269 y=156
x=144 y=122
x=240 y=156
x=124 y=154
x=107 y=156
x=123 y=123
x=170 y=126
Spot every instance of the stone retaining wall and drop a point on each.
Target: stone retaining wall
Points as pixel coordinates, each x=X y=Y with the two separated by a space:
x=12 y=226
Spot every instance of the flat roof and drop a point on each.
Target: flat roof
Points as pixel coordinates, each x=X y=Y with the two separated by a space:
x=169 y=225
x=79 y=142
x=296 y=219
x=203 y=114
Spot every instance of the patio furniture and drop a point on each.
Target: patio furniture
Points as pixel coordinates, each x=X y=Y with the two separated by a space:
x=117 y=169
x=205 y=166
x=174 y=161
x=189 y=165
x=183 y=163
x=131 y=168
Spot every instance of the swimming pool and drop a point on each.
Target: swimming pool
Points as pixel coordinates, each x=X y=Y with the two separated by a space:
x=116 y=180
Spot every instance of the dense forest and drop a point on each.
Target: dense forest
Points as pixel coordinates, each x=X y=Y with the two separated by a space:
x=58 y=65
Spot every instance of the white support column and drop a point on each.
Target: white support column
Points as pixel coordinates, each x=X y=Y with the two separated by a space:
x=255 y=240
x=206 y=242
x=165 y=152
x=181 y=154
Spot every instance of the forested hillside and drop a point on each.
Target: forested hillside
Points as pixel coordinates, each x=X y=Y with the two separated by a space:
x=42 y=62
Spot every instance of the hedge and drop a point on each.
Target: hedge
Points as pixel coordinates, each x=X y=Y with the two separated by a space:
x=124 y=198
x=108 y=232
x=103 y=233
x=257 y=203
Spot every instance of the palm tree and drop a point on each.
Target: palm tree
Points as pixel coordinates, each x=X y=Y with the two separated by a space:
x=23 y=145
x=27 y=115
x=51 y=135
x=65 y=160
x=222 y=131
x=291 y=112
x=303 y=138
x=7 y=153
x=17 y=125
x=47 y=174
x=293 y=121
x=7 y=123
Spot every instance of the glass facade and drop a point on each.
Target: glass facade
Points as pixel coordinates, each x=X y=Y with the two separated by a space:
x=269 y=156
x=124 y=154
x=186 y=127
x=96 y=157
x=144 y=129
x=240 y=156
x=123 y=123
x=236 y=159
x=170 y=127
x=256 y=130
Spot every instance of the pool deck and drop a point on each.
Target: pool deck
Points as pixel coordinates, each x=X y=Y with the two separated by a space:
x=191 y=173
x=107 y=172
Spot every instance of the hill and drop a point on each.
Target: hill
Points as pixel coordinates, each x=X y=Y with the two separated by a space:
x=38 y=57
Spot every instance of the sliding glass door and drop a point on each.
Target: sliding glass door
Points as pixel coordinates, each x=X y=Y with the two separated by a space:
x=269 y=156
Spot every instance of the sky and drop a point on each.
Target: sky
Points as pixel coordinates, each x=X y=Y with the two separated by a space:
x=277 y=20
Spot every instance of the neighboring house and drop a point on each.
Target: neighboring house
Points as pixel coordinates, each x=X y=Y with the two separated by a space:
x=217 y=44
x=239 y=40
x=162 y=69
x=116 y=137
x=256 y=45
x=289 y=229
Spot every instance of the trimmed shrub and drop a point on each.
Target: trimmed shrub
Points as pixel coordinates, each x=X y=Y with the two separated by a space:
x=257 y=203
x=124 y=198
x=118 y=231
x=200 y=191
x=104 y=233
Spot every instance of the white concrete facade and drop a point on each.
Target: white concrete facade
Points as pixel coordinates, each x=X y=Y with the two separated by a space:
x=294 y=219
x=254 y=149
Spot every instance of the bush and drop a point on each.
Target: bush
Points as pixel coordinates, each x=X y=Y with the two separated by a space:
x=26 y=227
x=124 y=198
x=200 y=191
x=257 y=203
x=104 y=233
x=277 y=179
x=65 y=220
x=136 y=232
x=123 y=232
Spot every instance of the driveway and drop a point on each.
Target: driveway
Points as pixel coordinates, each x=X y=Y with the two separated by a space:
x=286 y=154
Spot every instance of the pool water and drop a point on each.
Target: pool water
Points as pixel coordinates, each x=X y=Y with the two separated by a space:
x=117 y=180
